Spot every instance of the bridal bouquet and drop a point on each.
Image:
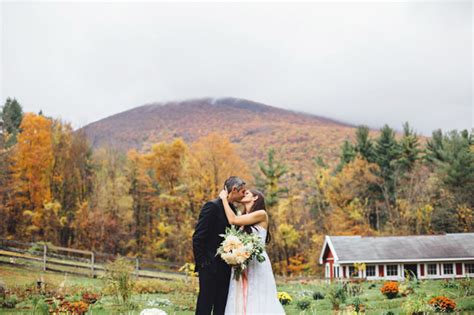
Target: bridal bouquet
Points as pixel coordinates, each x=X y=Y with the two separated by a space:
x=238 y=248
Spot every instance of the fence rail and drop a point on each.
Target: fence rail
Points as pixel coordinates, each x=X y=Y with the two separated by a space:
x=78 y=261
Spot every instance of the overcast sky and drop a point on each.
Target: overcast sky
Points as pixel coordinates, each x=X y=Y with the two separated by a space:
x=363 y=63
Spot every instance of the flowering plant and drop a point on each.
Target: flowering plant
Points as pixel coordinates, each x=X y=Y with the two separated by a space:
x=390 y=289
x=238 y=248
x=443 y=304
x=284 y=298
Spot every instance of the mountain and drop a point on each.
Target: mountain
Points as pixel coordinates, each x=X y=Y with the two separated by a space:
x=253 y=127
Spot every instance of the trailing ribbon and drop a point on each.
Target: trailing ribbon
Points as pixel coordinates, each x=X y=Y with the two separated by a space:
x=245 y=289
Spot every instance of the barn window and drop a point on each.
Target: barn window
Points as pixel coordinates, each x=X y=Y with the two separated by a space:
x=448 y=269
x=469 y=268
x=432 y=270
x=392 y=270
x=370 y=271
x=352 y=272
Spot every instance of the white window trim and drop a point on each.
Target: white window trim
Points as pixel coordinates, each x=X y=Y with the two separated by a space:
x=374 y=276
x=428 y=275
x=448 y=274
x=386 y=276
x=464 y=270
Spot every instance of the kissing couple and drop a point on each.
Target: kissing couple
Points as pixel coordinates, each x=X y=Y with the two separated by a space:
x=255 y=292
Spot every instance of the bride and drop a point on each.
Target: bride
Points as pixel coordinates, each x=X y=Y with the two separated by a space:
x=255 y=292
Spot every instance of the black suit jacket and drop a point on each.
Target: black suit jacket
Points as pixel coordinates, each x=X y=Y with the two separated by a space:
x=212 y=222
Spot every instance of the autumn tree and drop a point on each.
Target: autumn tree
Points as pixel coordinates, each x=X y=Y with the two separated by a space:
x=71 y=175
x=353 y=203
x=141 y=191
x=103 y=223
x=172 y=216
x=316 y=199
x=32 y=168
x=212 y=160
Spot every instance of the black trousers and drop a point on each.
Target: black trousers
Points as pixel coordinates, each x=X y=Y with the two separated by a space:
x=213 y=290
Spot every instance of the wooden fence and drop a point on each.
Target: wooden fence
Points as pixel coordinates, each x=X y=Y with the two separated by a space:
x=80 y=262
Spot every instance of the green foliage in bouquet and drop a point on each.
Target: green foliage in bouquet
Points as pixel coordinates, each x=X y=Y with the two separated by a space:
x=239 y=248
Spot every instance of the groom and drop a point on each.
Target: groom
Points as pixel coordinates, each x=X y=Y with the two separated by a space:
x=214 y=273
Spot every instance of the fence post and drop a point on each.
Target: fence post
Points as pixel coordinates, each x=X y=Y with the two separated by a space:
x=92 y=264
x=137 y=266
x=45 y=248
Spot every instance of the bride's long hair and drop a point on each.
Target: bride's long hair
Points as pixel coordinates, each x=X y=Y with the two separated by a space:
x=259 y=204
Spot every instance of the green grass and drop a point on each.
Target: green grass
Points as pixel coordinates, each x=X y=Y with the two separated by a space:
x=12 y=276
x=181 y=297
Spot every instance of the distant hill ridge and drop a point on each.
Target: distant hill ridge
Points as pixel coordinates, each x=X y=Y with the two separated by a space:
x=254 y=127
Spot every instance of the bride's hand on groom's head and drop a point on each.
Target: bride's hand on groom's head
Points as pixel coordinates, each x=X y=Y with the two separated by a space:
x=223 y=194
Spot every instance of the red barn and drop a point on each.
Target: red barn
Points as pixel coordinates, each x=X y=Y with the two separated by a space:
x=392 y=257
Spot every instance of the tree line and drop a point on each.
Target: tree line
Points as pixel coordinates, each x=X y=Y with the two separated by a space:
x=55 y=187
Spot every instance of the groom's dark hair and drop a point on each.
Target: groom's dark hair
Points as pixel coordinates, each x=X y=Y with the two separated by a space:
x=234 y=181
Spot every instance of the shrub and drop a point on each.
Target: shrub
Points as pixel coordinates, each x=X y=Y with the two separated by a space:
x=390 y=289
x=10 y=301
x=158 y=302
x=443 y=304
x=357 y=304
x=189 y=270
x=40 y=307
x=337 y=295
x=450 y=284
x=3 y=290
x=284 y=298
x=416 y=304
x=466 y=286
x=79 y=307
x=372 y=286
x=303 y=304
x=354 y=289
x=405 y=289
x=119 y=278
x=90 y=298
x=317 y=295
x=151 y=286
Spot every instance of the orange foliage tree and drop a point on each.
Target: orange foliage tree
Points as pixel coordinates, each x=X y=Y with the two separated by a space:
x=212 y=160
x=32 y=177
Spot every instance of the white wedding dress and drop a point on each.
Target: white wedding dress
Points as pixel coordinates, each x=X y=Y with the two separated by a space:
x=261 y=290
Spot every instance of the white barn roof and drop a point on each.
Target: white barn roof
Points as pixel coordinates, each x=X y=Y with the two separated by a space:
x=351 y=249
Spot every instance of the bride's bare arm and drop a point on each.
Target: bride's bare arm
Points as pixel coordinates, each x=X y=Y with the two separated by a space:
x=246 y=219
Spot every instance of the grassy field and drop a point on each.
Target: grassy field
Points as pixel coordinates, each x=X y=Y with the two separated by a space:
x=178 y=297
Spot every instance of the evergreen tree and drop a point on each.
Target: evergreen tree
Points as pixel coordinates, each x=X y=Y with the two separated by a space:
x=364 y=144
x=273 y=171
x=387 y=152
x=348 y=154
x=409 y=149
x=434 y=147
x=458 y=166
x=11 y=116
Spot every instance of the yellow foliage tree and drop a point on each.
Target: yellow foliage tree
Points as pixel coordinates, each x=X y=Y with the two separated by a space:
x=212 y=160
x=348 y=195
x=32 y=173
